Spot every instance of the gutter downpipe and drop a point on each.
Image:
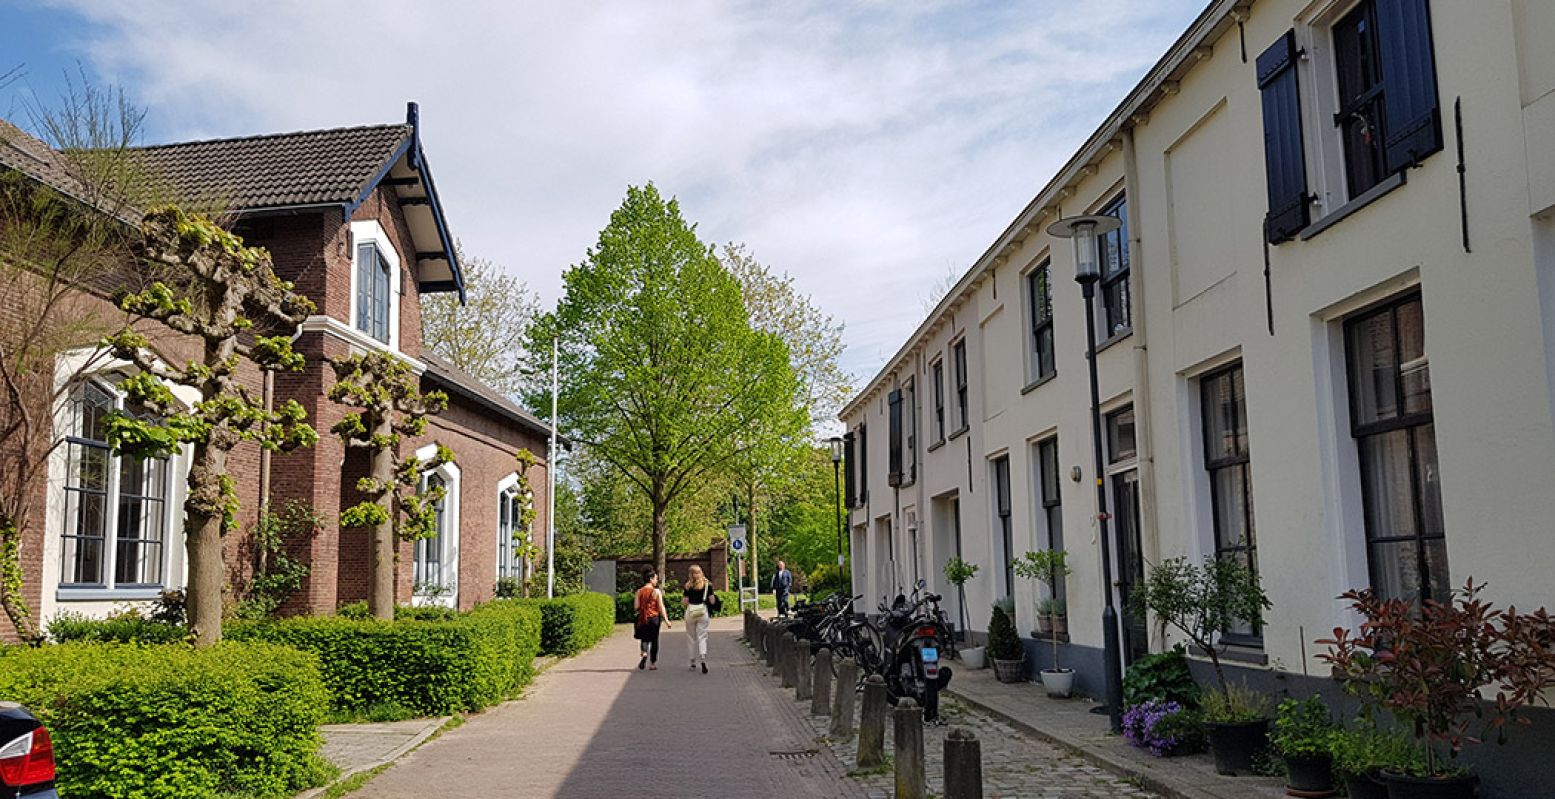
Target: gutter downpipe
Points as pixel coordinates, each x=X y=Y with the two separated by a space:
x=1149 y=528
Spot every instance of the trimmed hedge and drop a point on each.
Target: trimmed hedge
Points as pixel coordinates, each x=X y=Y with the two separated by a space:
x=525 y=622
x=675 y=605
x=124 y=628
x=431 y=667
x=155 y=722
x=571 y=624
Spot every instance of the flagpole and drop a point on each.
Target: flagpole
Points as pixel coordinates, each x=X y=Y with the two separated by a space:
x=550 y=491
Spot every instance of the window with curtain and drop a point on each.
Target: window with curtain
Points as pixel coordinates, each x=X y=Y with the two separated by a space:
x=1112 y=249
x=1039 y=296
x=1228 y=461
x=1051 y=504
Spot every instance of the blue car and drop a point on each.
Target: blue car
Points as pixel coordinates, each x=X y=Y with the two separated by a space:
x=26 y=755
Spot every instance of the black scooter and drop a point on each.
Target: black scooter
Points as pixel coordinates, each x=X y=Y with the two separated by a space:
x=916 y=637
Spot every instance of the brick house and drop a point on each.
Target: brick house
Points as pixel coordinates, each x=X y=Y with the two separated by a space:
x=352 y=216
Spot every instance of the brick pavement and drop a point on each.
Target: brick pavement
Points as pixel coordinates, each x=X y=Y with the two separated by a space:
x=594 y=727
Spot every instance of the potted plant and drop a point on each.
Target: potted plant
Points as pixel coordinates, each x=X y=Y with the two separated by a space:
x=1427 y=664
x=1163 y=676
x=1048 y=566
x=1361 y=755
x=1204 y=602
x=1303 y=735
x=1164 y=727
x=957 y=573
x=1004 y=646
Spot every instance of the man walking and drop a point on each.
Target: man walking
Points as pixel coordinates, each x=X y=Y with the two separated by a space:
x=781 y=582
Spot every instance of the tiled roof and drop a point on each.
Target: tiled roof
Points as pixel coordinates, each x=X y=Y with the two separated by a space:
x=278 y=170
x=28 y=155
x=468 y=386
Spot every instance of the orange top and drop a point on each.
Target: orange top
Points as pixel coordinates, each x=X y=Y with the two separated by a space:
x=648 y=603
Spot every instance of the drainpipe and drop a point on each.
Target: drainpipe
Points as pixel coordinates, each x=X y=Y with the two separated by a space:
x=1149 y=528
x=265 y=455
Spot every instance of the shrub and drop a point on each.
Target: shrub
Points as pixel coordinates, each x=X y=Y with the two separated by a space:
x=1164 y=676
x=432 y=667
x=1367 y=751
x=827 y=578
x=1203 y=602
x=571 y=624
x=1165 y=728
x=524 y=620
x=172 y=722
x=509 y=588
x=1303 y=728
x=1234 y=705
x=123 y=627
x=358 y=611
x=1003 y=643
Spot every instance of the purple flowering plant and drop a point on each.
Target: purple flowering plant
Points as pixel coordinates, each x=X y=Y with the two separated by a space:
x=1165 y=728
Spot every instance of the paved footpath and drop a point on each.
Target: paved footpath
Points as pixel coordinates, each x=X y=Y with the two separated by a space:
x=595 y=727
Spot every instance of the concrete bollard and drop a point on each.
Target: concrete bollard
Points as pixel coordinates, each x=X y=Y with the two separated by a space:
x=963 y=765
x=871 y=725
x=774 y=643
x=790 y=660
x=820 y=688
x=908 y=745
x=804 y=680
x=842 y=702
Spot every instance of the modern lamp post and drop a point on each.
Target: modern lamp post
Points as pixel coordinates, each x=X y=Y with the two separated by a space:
x=836 y=482
x=1083 y=231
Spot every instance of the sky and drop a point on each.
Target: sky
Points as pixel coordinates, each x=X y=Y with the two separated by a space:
x=869 y=149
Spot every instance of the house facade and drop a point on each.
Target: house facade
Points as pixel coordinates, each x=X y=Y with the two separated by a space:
x=1326 y=343
x=353 y=218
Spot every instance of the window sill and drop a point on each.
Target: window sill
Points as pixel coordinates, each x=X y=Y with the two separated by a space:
x=1032 y=386
x=1048 y=638
x=107 y=594
x=1116 y=337
x=1237 y=653
x=1370 y=196
x=936 y=445
x=958 y=432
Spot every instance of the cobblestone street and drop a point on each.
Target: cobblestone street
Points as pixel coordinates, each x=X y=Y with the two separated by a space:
x=595 y=727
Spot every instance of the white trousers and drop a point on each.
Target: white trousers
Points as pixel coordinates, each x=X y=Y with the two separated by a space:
x=696 y=632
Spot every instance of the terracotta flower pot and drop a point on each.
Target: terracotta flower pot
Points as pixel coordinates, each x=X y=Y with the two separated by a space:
x=1044 y=624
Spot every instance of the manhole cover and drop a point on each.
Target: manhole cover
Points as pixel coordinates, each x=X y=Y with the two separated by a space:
x=799 y=754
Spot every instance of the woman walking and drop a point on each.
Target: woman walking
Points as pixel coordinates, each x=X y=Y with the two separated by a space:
x=698 y=594
x=649 y=604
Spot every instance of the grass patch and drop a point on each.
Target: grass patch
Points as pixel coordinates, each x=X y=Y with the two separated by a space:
x=354 y=782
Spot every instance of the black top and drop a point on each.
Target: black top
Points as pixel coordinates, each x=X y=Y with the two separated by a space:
x=698 y=596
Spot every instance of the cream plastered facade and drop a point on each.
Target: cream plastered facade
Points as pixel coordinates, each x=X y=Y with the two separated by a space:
x=1187 y=148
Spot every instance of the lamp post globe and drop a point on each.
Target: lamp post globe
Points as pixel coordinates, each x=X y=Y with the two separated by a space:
x=836 y=481
x=1083 y=231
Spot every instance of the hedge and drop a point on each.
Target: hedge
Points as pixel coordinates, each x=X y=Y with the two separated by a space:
x=430 y=667
x=124 y=628
x=525 y=621
x=675 y=604
x=571 y=624
x=155 y=722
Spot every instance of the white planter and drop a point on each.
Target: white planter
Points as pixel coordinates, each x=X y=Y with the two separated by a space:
x=972 y=657
x=1059 y=684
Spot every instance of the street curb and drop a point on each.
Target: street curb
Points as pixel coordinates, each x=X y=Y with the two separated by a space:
x=1164 y=786
x=427 y=731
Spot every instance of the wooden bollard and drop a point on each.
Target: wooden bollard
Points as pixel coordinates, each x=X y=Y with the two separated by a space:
x=803 y=679
x=820 y=688
x=871 y=725
x=774 y=644
x=790 y=660
x=963 y=765
x=844 y=692
x=908 y=745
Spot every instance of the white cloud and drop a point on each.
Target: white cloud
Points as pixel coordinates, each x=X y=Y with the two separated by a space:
x=863 y=148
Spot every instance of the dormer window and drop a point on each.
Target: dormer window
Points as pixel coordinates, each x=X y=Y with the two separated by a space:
x=375 y=285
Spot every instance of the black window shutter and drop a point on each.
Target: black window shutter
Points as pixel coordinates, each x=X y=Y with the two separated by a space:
x=894 y=441
x=1285 y=158
x=850 y=485
x=1413 y=129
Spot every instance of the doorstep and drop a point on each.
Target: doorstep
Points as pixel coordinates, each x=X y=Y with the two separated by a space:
x=359 y=747
x=1070 y=724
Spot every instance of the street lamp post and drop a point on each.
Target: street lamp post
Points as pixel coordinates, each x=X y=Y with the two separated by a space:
x=836 y=482
x=1083 y=231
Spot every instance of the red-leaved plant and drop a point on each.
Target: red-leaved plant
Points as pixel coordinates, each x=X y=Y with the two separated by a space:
x=1428 y=664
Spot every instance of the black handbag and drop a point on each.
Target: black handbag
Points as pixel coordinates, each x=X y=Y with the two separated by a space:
x=712 y=600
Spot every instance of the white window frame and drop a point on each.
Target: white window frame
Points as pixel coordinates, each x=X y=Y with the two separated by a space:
x=1319 y=78
x=370 y=232
x=100 y=600
x=449 y=552
x=507 y=489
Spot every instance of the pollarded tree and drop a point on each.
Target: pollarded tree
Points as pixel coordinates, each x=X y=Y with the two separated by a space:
x=661 y=372
x=220 y=288
x=389 y=405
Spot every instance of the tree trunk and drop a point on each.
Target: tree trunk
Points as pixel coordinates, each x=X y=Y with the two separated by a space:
x=203 y=543
x=11 y=584
x=380 y=545
x=660 y=537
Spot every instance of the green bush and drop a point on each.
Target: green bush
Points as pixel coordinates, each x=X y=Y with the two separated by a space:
x=126 y=627
x=1003 y=642
x=1303 y=728
x=827 y=578
x=358 y=610
x=571 y=624
x=525 y=622
x=432 y=667
x=155 y=722
x=1164 y=676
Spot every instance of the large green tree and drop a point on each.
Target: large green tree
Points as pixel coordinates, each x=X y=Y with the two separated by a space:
x=662 y=375
x=485 y=334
